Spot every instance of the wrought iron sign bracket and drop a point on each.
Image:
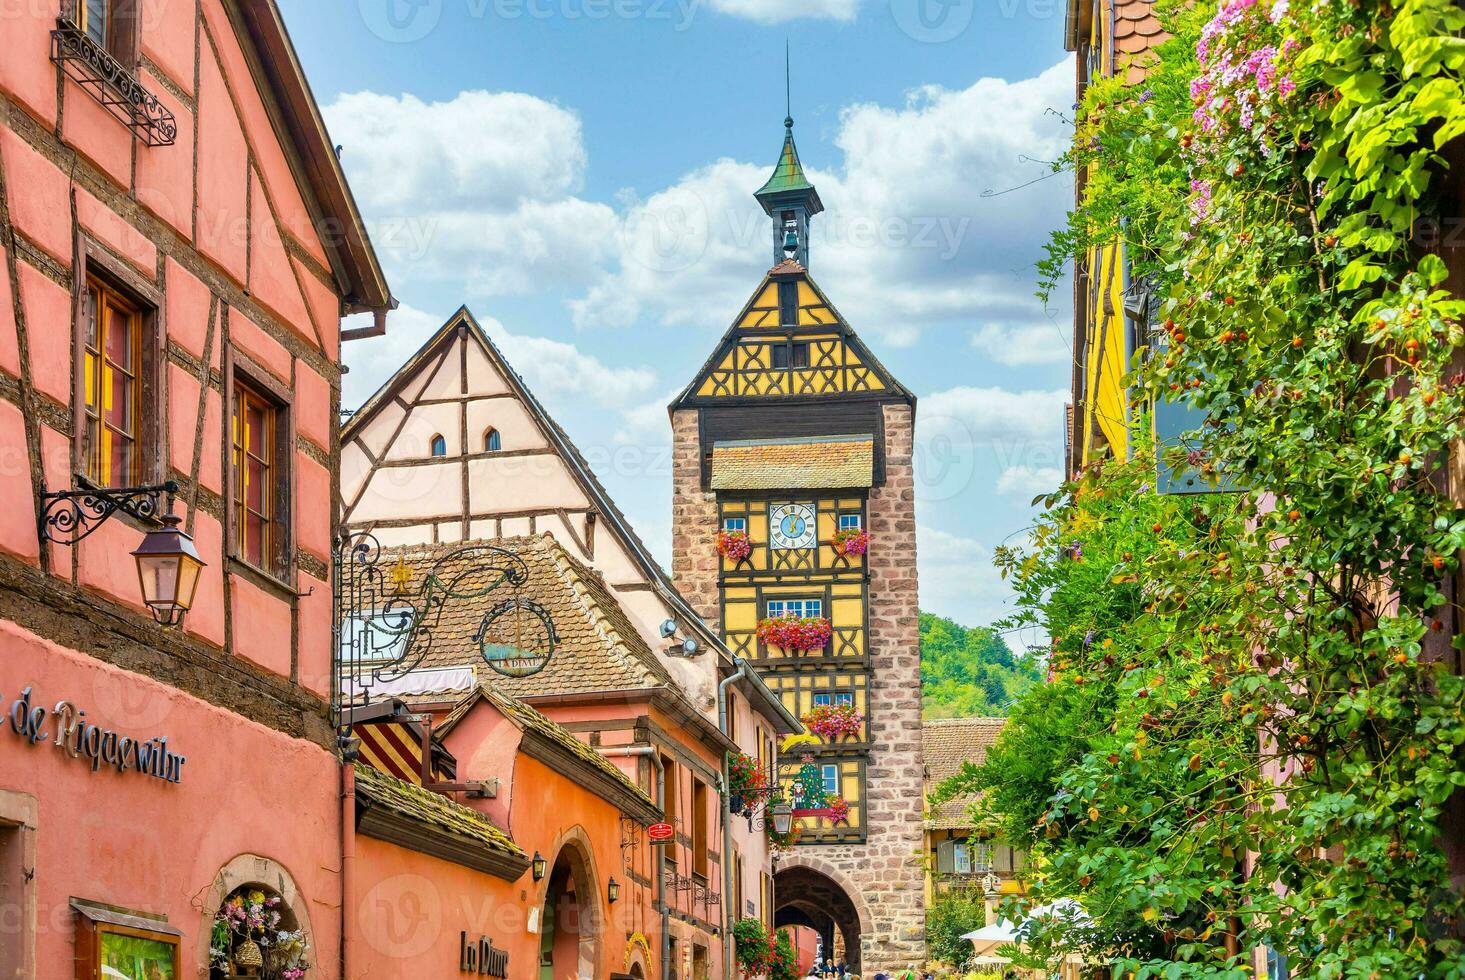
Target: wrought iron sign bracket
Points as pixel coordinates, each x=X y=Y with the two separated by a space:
x=113 y=84
x=67 y=516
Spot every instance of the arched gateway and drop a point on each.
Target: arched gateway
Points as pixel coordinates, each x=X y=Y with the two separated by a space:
x=808 y=893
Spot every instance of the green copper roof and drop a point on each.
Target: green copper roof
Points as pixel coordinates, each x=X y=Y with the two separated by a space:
x=788 y=173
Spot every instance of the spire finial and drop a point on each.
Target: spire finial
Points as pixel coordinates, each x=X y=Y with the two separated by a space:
x=788 y=102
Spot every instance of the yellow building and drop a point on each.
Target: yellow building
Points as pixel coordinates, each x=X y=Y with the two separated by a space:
x=1108 y=308
x=791 y=439
x=959 y=857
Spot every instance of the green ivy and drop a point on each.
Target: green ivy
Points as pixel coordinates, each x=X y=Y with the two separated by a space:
x=1254 y=721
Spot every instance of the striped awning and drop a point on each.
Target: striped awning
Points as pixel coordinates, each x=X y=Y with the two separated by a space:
x=821 y=463
x=393 y=747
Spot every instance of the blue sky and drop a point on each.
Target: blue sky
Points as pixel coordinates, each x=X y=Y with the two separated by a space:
x=580 y=174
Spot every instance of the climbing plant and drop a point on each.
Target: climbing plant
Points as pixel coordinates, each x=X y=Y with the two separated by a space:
x=1256 y=700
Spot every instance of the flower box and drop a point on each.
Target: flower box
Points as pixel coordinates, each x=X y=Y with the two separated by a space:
x=832 y=722
x=851 y=543
x=734 y=545
x=796 y=634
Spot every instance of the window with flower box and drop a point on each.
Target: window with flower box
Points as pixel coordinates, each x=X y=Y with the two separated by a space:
x=795 y=608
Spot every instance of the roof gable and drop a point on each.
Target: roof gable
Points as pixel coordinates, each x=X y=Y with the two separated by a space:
x=741 y=367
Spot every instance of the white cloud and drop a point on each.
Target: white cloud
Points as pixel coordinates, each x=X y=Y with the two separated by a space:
x=1023 y=344
x=647 y=424
x=911 y=235
x=993 y=415
x=478 y=191
x=1029 y=481
x=550 y=367
x=958 y=578
x=779 y=11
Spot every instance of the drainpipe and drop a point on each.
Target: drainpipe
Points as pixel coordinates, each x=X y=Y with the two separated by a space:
x=649 y=751
x=349 y=748
x=729 y=914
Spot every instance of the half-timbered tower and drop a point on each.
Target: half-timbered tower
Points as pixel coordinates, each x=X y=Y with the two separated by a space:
x=791 y=433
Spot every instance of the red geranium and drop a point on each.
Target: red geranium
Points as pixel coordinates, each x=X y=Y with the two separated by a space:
x=795 y=633
x=734 y=545
x=852 y=543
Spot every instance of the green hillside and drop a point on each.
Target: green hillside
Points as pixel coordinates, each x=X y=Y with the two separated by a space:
x=969 y=671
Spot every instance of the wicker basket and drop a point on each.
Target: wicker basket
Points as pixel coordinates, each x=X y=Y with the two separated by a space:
x=248 y=958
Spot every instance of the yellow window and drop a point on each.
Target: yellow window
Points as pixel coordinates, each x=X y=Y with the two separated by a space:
x=112 y=367
x=255 y=519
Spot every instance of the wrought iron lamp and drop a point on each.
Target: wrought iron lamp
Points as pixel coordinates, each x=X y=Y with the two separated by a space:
x=538 y=866
x=783 y=818
x=168 y=564
x=613 y=891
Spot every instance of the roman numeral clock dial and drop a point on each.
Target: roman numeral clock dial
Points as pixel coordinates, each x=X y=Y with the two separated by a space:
x=791 y=526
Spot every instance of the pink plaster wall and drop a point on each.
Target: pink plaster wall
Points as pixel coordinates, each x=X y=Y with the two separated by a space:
x=18 y=516
x=261 y=625
x=222 y=184
x=141 y=843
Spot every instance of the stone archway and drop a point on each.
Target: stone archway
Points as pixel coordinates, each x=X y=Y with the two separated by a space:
x=252 y=870
x=569 y=911
x=809 y=892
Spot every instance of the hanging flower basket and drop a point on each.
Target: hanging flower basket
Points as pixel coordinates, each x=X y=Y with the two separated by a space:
x=851 y=543
x=734 y=545
x=794 y=633
x=832 y=722
x=747 y=784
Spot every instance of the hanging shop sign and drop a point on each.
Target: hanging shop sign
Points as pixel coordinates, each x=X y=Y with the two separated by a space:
x=65 y=726
x=482 y=957
x=660 y=833
x=516 y=637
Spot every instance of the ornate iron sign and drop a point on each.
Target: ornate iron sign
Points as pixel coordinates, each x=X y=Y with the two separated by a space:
x=388 y=615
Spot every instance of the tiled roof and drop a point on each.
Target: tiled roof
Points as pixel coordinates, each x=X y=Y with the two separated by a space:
x=830 y=463
x=946 y=744
x=1137 y=32
x=529 y=719
x=432 y=808
x=598 y=647
x=788 y=173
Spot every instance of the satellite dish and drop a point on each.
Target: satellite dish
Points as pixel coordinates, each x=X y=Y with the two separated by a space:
x=668 y=628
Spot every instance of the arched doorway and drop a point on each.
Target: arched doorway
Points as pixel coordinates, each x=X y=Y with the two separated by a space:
x=569 y=928
x=810 y=897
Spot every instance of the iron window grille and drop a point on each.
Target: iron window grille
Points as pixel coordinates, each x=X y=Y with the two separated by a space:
x=112 y=84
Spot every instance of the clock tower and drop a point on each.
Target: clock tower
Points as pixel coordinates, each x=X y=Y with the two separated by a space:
x=794 y=435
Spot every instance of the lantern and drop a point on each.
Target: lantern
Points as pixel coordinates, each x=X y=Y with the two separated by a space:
x=783 y=818
x=167 y=568
x=613 y=891
x=538 y=866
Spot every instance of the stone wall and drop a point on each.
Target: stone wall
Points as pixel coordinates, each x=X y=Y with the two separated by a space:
x=694 y=560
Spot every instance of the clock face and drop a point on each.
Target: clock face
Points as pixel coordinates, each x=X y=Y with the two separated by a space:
x=791 y=526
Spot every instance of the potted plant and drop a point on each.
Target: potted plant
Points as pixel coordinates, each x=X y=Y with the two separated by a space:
x=795 y=633
x=832 y=722
x=851 y=542
x=735 y=546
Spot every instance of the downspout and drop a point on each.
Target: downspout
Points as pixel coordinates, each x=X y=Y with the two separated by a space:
x=649 y=751
x=349 y=748
x=729 y=914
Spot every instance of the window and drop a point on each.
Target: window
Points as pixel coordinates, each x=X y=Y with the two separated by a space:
x=669 y=806
x=491 y=441
x=827 y=698
x=700 y=840
x=439 y=446
x=795 y=607
x=800 y=356
x=782 y=356
x=735 y=524
x=732 y=716
x=830 y=776
x=788 y=303
x=109 y=23
x=254 y=477
x=113 y=369
x=850 y=522
x=778 y=356
x=963 y=855
x=19 y=924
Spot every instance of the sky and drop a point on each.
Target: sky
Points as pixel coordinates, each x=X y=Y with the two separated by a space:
x=580 y=174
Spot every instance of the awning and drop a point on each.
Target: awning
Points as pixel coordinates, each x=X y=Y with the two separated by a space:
x=816 y=463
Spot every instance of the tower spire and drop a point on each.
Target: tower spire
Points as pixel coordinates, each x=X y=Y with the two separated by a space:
x=787 y=197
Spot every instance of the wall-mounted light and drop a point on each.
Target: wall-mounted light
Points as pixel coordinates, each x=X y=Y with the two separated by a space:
x=538 y=866
x=168 y=564
x=783 y=818
x=613 y=891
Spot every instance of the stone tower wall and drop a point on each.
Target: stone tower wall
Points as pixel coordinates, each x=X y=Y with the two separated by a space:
x=885 y=872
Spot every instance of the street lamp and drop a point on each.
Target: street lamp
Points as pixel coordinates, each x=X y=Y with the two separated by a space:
x=783 y=818
x=613 y=891
x=538 y=866
x=167 y=568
